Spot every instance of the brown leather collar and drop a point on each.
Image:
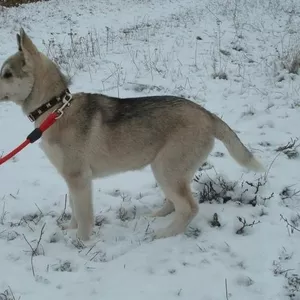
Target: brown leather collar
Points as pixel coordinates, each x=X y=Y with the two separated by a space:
x=65 y=95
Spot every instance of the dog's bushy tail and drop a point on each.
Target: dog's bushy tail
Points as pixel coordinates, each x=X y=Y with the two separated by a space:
x=235 y=147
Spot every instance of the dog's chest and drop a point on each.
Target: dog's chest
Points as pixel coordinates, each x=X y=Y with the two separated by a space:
x=54 y=153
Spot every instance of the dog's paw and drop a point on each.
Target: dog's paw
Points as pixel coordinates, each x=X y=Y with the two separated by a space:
x=84 y=232
x=170 y=231
x=161 y=234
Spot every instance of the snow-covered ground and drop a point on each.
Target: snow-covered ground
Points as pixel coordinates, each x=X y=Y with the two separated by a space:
x=134 y=48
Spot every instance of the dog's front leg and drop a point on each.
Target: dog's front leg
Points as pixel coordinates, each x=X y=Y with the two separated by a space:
x=80 y=189
x=73 y=223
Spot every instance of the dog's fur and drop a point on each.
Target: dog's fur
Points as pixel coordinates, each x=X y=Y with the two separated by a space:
x=100 y=135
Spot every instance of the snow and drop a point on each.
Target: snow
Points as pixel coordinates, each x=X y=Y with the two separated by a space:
x=134 y=48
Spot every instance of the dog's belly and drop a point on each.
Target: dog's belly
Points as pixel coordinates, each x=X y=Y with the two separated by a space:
x=108 y=165
x=105 y=168
x=103 y=163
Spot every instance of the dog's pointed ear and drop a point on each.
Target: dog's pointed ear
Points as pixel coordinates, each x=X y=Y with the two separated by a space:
x=19 y=42
x=26 y=45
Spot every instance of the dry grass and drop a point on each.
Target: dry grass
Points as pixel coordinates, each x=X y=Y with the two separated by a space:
x=11 y=3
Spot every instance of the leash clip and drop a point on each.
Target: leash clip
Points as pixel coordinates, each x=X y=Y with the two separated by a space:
x=66 y=102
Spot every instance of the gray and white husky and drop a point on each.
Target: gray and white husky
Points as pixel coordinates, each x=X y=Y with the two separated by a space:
x=99 y=135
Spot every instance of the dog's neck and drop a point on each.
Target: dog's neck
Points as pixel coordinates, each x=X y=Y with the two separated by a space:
x=40 y=95
x=50 y=83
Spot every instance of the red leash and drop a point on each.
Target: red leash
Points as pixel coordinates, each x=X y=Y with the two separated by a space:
x=33 y=136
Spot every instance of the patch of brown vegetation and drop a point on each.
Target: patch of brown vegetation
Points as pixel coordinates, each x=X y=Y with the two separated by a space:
x=11 y=3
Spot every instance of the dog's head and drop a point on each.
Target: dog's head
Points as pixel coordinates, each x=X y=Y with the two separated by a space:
x=17 y=72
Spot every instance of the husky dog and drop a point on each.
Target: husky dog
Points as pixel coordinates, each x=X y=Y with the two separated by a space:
x=99 y=135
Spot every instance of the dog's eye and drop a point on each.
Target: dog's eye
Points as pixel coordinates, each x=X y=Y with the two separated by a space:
x=7 y=75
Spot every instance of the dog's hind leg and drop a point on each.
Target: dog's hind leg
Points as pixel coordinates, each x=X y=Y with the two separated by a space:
x=185 y=209
x=174 y=168
x=80 y=189
x=177 y=190
x=167 y=208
